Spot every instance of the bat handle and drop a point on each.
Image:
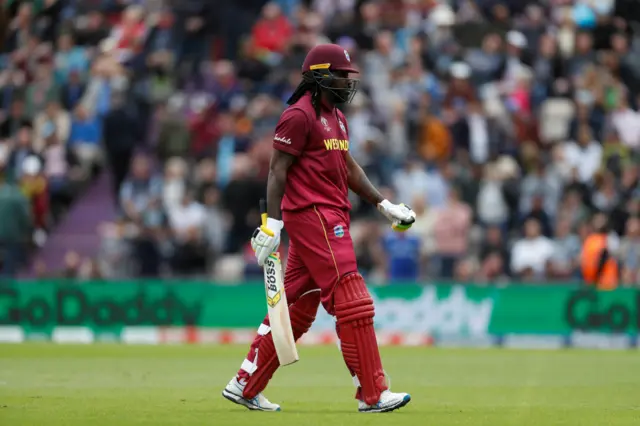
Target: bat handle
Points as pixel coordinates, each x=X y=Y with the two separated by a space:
x=263 y=211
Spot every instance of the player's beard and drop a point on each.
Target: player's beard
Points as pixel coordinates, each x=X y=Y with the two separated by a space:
x=339 y=96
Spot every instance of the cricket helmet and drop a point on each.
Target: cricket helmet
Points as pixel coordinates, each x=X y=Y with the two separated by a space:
x=321 y=64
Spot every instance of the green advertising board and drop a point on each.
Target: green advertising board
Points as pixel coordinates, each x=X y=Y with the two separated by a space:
x=435 y=309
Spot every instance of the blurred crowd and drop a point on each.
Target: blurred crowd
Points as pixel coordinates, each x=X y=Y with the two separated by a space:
x=511 y=127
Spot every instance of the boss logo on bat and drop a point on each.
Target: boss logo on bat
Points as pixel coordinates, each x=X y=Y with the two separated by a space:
x=273 y=292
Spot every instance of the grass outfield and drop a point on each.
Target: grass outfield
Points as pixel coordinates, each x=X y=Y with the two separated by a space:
x=53 y=385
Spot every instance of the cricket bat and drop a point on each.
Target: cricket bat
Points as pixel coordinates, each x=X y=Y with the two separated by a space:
x=277 y=306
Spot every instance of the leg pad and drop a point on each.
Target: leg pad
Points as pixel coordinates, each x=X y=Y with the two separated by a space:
x=264 y=357
x=354 y=314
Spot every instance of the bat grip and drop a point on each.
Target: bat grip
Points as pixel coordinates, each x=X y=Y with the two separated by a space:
x=263 y=211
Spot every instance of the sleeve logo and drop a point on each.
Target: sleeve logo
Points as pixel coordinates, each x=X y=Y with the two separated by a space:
x=285 y=141
x=338 y=231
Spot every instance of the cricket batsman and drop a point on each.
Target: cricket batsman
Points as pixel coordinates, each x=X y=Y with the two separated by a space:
x=311 y=172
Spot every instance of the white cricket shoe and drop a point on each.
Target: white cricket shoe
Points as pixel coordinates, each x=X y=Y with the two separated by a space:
x=233 y=392
x=389 y=401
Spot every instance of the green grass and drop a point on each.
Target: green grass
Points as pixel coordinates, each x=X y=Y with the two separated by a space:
x=46 y=384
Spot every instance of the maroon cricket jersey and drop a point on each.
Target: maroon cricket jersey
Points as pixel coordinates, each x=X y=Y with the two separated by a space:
x=319 y=174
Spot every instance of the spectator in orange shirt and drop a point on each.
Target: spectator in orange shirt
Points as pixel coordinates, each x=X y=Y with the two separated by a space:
x=599 y=266
x=435 y=139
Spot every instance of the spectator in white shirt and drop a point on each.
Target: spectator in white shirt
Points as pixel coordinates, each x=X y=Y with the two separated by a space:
x=54 y=116
x=187 y=224
x=187 y=219
x=411 y=181
x=529 y=255
x=627 y=123
x=585 y=155
x=491 y=203
x=174 y=185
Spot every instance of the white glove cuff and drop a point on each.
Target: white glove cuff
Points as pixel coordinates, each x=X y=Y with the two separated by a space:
x=384 y=205
x=275 y=225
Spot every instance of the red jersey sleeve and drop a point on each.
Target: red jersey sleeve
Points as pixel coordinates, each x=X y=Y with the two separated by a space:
x=292 y=132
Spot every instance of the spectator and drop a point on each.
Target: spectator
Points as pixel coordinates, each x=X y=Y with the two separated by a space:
x=402 y=251
x=215 y=224
x=20 y=153
x=615 y=155
x=150 y=239
x=606 y=196
x=129 y=34
x=204 y=132
x=175 y=183
x=90 y=270
x=585 y=155
x=61 y=170
x=516 y=57
x=12 y=89
x=564 y=263
x=538 y=213
x=424 y=227
x=491 y=203
x=480 y=144
x=452 y=228
x=494 y=256
x=626 y=123
x=107 y=82
x=272 y=32
x=544 y=183
x=240 y=198
x=42 y=91
x=15 y=228
x=85 y=138
x=530 y=255
x=411 y=182
x=92 y=30
x=173 y=133
x=598 y=263
x=34 y=186
x=69 y=59
x=548 y=67
x=435 y=143
x=72 y=263
x=54 y=118
x=583 y=55
x=630 y=252
x=140 y=189
x=16 y=120
x=187 y=222
x=120 y=135
x=72 y=90
x=161 y=35
x=191 y=33
x=487 y=61
x=220 y=79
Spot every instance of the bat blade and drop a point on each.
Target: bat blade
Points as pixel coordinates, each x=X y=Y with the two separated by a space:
x=278 y=311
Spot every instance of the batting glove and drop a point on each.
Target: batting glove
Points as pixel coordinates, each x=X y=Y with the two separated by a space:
x=266 y=239
x=400 y=215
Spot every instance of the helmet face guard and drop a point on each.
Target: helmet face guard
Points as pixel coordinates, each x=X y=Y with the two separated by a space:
x=341 y=89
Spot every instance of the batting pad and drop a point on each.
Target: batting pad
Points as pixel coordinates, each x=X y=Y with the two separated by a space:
x=354 y=313
x=302 y=313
